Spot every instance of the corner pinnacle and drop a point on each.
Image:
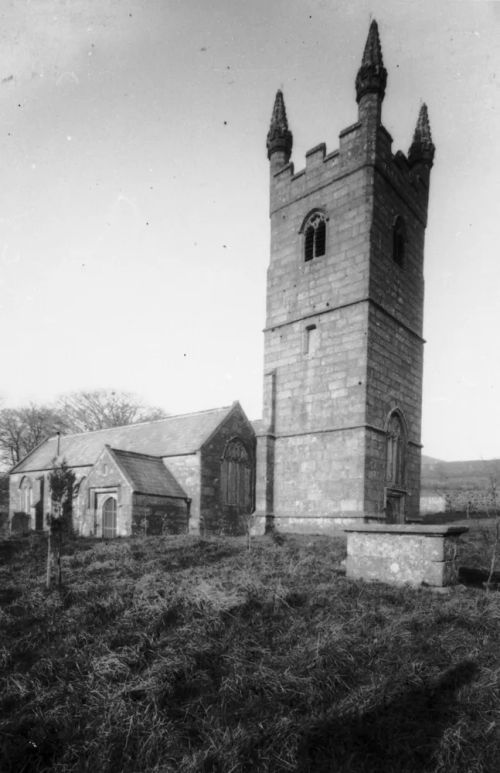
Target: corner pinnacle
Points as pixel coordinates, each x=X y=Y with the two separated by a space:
x=372 y=75
x=422 y=148
x=279 y=137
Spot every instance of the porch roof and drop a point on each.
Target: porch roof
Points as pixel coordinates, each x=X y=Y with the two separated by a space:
x=148 y=474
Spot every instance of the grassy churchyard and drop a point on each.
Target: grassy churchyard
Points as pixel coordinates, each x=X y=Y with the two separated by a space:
x=188 y=654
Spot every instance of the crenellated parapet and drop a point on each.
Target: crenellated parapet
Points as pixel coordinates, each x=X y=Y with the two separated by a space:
x=408 y=174
x=363 y=144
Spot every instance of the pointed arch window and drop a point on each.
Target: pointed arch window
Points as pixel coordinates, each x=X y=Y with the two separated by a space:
x=236 y=475
x=399 y=241
x=26 y=495
x=109 y=518
x=314 y=230
x=395 y=450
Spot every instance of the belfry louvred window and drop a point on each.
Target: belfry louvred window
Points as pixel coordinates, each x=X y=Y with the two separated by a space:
x=236 y=475
x=315 y=236
x=399 y=241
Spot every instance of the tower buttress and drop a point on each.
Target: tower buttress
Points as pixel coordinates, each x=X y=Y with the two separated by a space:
x=279 y=137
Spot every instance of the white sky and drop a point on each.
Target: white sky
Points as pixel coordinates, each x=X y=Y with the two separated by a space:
x=134 y=233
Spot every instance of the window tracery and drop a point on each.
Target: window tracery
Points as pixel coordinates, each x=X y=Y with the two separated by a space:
x=236 y=475
x=315 y=236
x=395 y=450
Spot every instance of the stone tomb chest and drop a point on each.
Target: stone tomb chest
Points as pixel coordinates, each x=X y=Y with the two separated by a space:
x=403 y=553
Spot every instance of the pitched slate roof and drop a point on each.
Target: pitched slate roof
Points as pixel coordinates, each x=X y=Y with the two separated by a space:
x=147 y=474
x=173 y=436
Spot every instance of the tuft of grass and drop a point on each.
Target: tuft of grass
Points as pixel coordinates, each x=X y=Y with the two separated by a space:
x=187 y=654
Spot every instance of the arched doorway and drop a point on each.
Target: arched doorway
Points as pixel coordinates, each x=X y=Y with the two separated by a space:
x=109 y=518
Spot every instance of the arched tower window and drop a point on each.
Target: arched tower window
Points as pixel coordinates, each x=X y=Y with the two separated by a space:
x=399 y=241
x=236 y=475
x=314 y=230
x=395 y=450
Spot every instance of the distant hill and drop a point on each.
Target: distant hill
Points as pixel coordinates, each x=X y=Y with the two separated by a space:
x=435 y=472
x=471 y=486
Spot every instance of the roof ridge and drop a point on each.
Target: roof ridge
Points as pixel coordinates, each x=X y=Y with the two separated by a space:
x=141 y=423
x=134 y=453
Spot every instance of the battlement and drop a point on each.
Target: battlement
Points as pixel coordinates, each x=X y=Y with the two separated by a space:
x=354 y=152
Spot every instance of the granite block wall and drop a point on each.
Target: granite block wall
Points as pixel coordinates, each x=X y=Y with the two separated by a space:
x=343 y=335
x=216 y=517
x=187 y=470
x=159 y=515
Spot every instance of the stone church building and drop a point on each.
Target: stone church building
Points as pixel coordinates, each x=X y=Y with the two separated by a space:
x=340 y=434
x=193 y=472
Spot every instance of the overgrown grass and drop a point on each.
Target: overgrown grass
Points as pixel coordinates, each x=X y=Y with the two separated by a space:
x=187 y=654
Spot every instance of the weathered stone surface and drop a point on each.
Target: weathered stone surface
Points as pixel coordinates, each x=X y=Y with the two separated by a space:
x=402 y=554
x=330 y=402
x=440 y=573
x=199 y=503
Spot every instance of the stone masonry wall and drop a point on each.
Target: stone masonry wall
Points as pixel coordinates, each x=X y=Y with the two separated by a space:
x=375 y=477
x=395 y=346
x=187 y=471
x=395 y=360
x=320 y=377
x=298 y=289
x=103 y=478
x=159 y=515
x=323 y=388
x=395 y=365
x=399 y=289
x=343 y=330
x=319 y=480
x=42 y=505
x=217 y=518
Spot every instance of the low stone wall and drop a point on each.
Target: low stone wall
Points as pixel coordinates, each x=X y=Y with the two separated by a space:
x=403 y=553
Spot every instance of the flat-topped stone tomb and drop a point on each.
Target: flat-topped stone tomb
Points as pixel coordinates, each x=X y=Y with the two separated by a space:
x=404 y=553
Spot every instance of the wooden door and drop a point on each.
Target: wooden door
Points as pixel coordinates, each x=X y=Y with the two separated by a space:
x=394 y=507
x=109 y=518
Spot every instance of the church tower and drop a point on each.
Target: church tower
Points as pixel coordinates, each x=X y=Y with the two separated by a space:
x=343 y=352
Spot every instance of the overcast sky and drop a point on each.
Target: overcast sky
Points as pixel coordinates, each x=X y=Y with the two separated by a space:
x=134 y=233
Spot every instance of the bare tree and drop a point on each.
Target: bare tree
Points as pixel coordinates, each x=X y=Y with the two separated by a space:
x=4 y=492
x=102 y=408
x=22 y=429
